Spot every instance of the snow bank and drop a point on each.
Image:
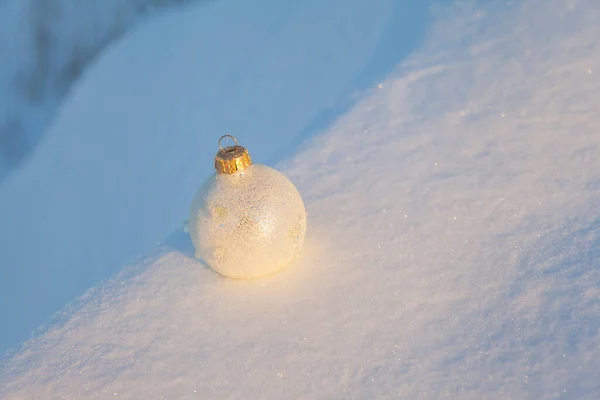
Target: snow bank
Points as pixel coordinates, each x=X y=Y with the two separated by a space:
x=44 y=46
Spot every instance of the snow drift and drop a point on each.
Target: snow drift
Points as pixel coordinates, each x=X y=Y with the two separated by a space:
x=453 y=243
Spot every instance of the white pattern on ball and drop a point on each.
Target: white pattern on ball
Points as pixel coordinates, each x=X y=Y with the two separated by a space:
x=248 y=224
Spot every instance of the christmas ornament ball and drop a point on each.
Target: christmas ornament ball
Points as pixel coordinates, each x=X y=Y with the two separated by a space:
x=247 y=220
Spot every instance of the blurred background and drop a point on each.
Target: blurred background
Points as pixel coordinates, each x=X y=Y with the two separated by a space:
x=45 y=45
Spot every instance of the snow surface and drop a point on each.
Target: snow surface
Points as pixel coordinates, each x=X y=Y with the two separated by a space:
x=454 y=230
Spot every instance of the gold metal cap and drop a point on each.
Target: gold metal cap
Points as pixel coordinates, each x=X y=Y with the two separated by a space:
x=231 y=159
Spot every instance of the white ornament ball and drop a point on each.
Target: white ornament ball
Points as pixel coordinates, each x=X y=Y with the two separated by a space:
x=247 y=224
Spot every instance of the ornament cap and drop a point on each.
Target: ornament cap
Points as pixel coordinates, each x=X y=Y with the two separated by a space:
x=231 y=159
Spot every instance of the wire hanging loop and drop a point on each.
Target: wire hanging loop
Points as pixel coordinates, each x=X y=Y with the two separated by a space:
x=228 y=136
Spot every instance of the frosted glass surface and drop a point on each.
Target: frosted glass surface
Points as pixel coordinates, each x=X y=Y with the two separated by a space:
x=248 y=224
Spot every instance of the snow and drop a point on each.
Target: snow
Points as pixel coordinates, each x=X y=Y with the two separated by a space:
x=453 y=228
